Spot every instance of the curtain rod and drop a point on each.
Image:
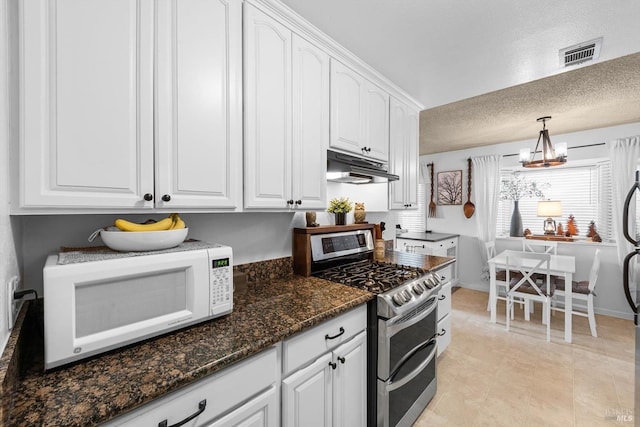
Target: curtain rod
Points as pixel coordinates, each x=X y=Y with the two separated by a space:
x=568 y=148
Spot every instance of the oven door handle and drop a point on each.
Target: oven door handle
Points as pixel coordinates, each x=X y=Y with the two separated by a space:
x=398 y=324
x=393 y=385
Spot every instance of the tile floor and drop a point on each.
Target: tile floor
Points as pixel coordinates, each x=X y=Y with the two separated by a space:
x=491 y=377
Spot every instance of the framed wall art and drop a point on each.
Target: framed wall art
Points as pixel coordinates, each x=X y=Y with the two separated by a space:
x=450 y=188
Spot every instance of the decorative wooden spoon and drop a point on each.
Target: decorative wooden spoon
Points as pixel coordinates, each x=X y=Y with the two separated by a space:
x=469 y=208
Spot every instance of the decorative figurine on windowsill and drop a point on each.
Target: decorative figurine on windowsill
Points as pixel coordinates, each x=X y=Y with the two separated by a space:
x=560 y=231
x=359 y=213
x=572 y=228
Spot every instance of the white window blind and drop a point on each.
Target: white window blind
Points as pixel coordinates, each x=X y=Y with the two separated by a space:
x=414 y=220
x=584 y=192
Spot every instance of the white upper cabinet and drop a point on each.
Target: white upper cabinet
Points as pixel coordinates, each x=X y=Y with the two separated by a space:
x=359 y=114
x=286 y=117
x=403 y=157
x=199 y=104
x=90 y=99
x=377 y=122
x=87 y=102
x=310 y=125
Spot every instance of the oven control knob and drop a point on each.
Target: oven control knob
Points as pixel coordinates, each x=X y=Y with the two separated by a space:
x=398 y=299
x=407 y=295
x=427 y=284
x=418 y=289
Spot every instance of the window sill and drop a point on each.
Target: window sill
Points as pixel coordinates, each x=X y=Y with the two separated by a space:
x=582 y=242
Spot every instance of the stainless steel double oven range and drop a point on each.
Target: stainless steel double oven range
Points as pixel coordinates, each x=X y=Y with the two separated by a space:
x=402 y=319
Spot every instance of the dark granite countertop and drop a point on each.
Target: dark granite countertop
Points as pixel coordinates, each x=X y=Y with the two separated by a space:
x=98 y=389
x=427 y=262
x=427 y=237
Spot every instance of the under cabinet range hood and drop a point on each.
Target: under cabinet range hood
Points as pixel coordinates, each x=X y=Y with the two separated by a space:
x=350 y=169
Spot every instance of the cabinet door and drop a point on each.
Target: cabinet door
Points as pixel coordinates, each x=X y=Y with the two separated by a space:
x=199 y=104
x=261 y=411
x=403 y=156
x=267 y=139
x=377 y=123
x=306 y=395
x=398 y=135
x=347 y=108
x=87 y=103
x=310 y=125
x=410 y=175
x=350 y=383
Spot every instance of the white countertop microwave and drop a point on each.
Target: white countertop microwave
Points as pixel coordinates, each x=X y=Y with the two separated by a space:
x=94 y=303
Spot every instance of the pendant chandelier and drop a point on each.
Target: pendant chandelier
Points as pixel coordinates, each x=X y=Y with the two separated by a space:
x=550 y=156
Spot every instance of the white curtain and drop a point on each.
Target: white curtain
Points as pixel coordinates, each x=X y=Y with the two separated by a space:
x=486 y=191
x=624 y=154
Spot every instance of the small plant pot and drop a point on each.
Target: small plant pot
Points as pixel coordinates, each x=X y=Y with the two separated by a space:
x=341 y=218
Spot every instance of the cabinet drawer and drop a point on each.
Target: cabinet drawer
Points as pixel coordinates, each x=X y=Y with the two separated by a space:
x=446 y=273
x=444 y=244
x=307 y=346
x=444 y=301
x=444 y=328
x=223 y=391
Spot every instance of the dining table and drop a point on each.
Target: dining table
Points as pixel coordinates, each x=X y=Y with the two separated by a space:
x=559 y=265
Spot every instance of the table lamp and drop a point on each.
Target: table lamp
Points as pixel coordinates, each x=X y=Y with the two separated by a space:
x=549 y=209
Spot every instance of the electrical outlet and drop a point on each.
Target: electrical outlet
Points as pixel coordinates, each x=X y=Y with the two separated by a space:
x=13 y=305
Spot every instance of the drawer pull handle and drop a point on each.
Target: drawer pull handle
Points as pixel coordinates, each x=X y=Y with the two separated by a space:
x=442 y=297
x=201 y=407
x=328 y=337
x=444 y=331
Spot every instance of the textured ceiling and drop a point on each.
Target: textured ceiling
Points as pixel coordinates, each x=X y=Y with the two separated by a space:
x=600 y=95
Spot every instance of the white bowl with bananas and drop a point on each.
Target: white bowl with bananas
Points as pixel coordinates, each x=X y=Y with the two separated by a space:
x=127 y=236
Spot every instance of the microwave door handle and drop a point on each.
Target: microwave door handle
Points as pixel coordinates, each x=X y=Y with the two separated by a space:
x=625 y=284
x=625 y=214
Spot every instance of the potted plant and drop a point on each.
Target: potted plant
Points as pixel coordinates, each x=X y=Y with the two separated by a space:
x=339 y=207
x=516 y=188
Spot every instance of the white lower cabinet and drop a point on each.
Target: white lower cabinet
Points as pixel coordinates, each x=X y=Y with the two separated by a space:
x=245 y=394
x=261 y=411
x=444 y=317
x=329 y=392
x=330 y=387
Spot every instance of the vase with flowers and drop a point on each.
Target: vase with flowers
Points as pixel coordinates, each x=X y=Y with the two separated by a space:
x=340 y=207
x=516 y=188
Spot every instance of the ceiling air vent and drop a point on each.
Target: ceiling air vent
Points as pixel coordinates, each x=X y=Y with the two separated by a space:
x=587 y=51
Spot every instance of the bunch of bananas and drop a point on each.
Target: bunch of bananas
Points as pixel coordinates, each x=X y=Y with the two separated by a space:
x=172 y=222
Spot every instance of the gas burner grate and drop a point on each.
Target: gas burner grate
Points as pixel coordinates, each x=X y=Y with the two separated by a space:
x=373 y=276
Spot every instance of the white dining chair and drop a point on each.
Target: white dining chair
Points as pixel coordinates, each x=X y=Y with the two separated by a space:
x=501 y=275
x=521 y=267
x=582 y=291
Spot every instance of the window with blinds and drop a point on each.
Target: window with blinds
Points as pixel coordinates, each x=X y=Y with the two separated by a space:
x=584 y=191
x=414 y=220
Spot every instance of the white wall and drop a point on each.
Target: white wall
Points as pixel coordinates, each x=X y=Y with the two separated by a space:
x=610 y=299
x=253 y=236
